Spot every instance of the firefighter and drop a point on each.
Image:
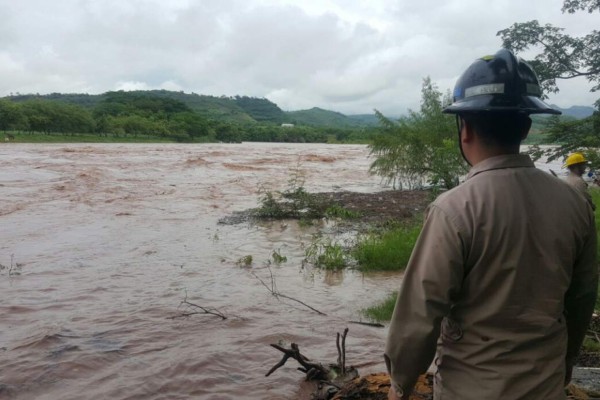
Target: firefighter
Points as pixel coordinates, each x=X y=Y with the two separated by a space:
x=502 y=282
x=577 y=164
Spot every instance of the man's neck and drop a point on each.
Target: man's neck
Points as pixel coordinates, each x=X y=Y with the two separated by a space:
x=484 y=152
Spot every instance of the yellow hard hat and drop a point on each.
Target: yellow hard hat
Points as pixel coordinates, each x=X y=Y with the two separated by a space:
x=575 y=158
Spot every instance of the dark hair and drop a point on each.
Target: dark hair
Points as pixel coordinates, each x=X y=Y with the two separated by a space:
x=499 y=128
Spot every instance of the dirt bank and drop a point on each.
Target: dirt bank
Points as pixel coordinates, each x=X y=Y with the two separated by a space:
x=381 y=207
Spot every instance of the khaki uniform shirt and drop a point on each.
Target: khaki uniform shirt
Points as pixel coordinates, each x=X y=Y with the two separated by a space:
x=577 y=183
x=504 y=267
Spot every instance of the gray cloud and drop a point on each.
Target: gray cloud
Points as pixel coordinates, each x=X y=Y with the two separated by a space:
x=348 y=56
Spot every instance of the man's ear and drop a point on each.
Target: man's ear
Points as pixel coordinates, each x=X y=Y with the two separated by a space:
x=467 y=133
x=526 y=128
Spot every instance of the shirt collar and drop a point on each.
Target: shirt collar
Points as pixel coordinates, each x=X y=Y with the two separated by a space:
x=500 y=162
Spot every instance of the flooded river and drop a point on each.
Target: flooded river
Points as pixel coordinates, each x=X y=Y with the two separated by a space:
x=106 y=240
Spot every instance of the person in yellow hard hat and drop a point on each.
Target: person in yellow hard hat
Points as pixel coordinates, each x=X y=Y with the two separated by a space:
x=577 y=164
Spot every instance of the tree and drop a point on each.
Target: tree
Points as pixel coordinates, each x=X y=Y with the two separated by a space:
x=11 y=117
x=50 y=116
x=421 y=147
x=563 y=57
x=573 y=5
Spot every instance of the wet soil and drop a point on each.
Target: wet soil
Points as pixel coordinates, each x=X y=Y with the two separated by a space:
x=377 y=209
x=382 y=207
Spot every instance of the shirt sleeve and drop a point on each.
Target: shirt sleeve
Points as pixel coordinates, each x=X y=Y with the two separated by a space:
x=432 y=279
x=580 y=298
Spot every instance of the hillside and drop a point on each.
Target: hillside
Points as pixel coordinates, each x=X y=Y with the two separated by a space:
x=577 y=112
x=243 y=109
x=332 y=119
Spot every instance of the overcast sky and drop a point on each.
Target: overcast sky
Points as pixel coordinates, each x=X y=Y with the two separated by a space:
x=344 y=55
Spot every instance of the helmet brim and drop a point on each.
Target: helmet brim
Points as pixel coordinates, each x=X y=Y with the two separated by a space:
x=491 y=103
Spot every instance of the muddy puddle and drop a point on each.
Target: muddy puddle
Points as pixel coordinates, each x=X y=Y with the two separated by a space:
x=107 y=240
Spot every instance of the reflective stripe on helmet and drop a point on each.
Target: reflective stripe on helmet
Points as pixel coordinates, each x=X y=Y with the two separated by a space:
x=492 y=88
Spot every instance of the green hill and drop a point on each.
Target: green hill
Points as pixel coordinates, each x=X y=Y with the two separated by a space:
x=243 y=109
x=331 y=119
x=237 y=109
x=222 y=108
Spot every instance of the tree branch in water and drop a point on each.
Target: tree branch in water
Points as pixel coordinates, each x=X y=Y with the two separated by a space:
x=275 y=292
x=202 y=310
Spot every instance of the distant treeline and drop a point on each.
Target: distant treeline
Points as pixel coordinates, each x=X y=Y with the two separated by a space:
x=162 y=114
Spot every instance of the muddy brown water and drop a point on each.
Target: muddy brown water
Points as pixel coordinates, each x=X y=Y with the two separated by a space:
x=109 y=238
x=106 y=240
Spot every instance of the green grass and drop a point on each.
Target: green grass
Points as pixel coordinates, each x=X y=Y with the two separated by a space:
x=381 y=311
x=389 y=250
x=337 y=211
x=591 y=345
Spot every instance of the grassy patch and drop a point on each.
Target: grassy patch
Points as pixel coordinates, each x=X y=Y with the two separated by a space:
x=337 y=211
x=382 y=311
x=591 y=345
x=389 y=250
x=325 y=253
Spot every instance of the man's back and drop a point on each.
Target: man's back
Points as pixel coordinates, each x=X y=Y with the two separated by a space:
x=522 y=231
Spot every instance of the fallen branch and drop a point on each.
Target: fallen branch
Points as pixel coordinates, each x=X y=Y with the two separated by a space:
x=312 y=370
x=275 y=292
x=373 y=324
x=204 y=310
x=331 y=378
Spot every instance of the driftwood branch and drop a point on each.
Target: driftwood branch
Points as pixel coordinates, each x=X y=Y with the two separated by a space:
x=341 y=361
x=331 y=378
x=312 y=370
x=373 y=324
x=277 y=294
x=200 y=310
x=344 y=351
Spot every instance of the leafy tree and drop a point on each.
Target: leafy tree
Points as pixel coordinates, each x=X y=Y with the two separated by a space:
x=573 y=5
x=563 y=57
x=420 y=147
x=50 y=116
x=227 y=133
x=190 y=123
x=136 y=125
x=11 y=117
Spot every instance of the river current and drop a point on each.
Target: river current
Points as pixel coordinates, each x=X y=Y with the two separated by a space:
x=100 y=243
